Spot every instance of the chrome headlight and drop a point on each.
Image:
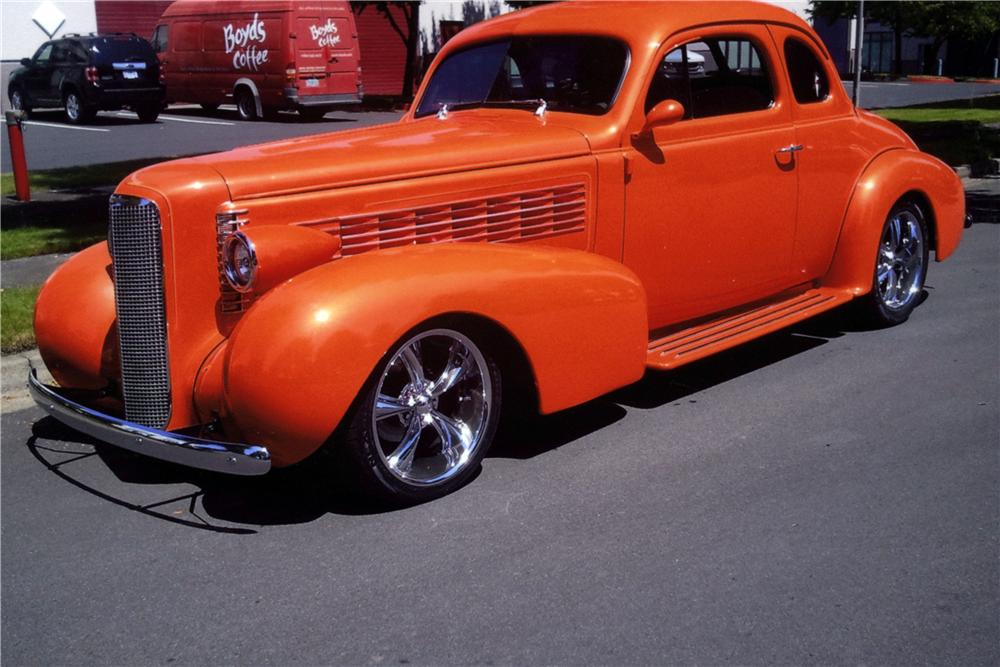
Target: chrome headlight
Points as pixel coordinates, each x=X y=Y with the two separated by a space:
x=239 y=262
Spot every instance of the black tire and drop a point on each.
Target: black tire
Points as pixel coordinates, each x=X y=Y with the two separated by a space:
x=210 y=108
x=246 y=104
x=148 y=113
x=312 y=114
x=899 y=264
x=75 y=110
x=355 y=448
x=18 y=100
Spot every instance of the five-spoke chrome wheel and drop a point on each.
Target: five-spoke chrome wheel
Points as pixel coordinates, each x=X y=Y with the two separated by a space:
x=17 y=100
x=900 y=269
x=432 y=407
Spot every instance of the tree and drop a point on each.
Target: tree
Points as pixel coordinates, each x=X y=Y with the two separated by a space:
x=940 y=20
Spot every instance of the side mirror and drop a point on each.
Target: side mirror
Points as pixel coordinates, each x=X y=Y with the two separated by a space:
x=26 y=62
x=664 y=113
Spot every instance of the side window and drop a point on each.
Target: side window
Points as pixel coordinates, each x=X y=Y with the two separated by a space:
x=806 y=72
x=160 y=39
x=59 y=54
x=713 y=77
x=43 y=54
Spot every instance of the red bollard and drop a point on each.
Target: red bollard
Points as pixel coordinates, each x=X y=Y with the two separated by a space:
x=16 y=137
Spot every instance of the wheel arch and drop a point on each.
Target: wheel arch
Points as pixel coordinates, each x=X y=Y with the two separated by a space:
x=890 y=177
x=570 y=325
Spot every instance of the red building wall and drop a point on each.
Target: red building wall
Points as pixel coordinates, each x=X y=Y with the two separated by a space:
x=383 y=50
x=138 y=16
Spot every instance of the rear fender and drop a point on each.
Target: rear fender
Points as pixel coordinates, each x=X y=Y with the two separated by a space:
x=301 y=355
x=887 y=179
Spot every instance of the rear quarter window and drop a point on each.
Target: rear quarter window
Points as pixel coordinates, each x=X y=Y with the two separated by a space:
x=805 y=72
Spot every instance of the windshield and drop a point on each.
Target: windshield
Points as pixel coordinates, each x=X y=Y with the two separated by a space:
x=578 y=74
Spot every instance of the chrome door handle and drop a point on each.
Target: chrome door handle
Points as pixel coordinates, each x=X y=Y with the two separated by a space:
x=794 y=148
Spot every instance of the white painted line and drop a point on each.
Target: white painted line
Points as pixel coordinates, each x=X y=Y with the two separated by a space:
x=65 y=127
x=129 y=114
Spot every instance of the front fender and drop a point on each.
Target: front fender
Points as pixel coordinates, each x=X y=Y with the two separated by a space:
x=886 y=179
x=301 y=355
x=75 y=321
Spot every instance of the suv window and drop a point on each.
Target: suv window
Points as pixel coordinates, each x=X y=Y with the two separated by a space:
x=713 y=77
x=160 y=39
x=806 y=72
x=118 y=48
x=43 y=54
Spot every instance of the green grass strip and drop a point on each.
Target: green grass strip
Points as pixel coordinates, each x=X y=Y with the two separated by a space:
x=17 y=312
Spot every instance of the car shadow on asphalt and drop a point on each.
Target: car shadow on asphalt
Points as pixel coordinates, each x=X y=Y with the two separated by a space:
x=303 y=493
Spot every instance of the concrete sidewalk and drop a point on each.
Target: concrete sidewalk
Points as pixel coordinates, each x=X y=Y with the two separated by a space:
x=14 y=377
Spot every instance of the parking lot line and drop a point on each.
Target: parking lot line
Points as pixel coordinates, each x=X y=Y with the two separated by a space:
x=66 y=127
x=129 y=114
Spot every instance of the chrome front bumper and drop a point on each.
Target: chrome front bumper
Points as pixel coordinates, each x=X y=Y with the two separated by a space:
x=226 y=457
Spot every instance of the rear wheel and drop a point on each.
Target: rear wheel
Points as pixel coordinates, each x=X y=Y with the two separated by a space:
x=246 y=105
x=425 y=419
x=148 y=113
x=18 y=101
x=75 y=110
x=900 y=267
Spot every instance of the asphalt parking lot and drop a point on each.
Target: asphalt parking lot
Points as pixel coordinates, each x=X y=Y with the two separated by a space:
x=824 y=495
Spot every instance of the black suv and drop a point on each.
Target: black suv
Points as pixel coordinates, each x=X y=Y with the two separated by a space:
x=83 y=74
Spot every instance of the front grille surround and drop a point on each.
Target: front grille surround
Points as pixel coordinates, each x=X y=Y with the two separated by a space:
x=136 y=245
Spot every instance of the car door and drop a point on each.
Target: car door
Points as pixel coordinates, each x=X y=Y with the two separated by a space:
x=831 y=160
x=39 y=74
x=711 y=199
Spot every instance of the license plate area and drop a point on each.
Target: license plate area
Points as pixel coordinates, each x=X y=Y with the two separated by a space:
x=129 y=74
x=312 y=83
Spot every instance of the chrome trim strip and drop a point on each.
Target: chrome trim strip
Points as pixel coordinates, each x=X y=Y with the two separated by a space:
x=225 y=457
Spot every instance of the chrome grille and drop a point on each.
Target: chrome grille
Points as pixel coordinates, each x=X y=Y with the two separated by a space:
x=502 y=218
x=227 y=224
x=137 y=257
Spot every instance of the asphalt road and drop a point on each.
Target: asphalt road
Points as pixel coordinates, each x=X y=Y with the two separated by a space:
x=187 y=129
x=822 y=496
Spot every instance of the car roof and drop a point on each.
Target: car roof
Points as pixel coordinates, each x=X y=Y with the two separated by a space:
x=637 y=23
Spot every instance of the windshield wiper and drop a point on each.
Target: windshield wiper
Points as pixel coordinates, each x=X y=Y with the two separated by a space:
x=538 y=105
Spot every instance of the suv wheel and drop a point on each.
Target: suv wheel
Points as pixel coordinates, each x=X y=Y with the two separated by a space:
x=18 y=102
x=76 y=111
x=148 y=113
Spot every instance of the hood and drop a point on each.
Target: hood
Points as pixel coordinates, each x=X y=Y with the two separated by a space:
x=472 y=139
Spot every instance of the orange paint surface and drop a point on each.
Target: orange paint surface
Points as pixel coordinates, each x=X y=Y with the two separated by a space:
x=578 y=235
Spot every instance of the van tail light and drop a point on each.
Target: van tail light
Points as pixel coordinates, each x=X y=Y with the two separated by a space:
x=291 y=74
x=91 y=74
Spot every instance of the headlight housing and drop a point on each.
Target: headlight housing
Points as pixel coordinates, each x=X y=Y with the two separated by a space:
x=239 y=262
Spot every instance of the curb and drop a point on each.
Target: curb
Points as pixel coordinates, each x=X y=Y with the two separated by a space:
x=926 y=78
x=14 y=377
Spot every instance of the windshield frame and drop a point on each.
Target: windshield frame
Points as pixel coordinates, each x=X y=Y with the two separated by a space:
x=425 y=86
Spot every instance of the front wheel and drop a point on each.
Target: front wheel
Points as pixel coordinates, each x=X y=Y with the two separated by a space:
x=426 y=418
x=900 y=267
x=76 y=111
x=18 y=101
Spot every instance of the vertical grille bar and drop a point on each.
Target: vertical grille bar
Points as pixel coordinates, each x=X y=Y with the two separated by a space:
x=137 y=258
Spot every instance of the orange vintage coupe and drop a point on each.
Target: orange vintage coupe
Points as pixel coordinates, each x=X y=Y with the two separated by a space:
x=580 y=192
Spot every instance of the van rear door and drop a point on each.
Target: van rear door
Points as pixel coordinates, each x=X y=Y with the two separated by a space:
x=326 y=50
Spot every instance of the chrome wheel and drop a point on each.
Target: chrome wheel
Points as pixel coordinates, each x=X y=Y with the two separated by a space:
x=16 y=100
x=899 y=272
x=432 y=407
x=73 y=107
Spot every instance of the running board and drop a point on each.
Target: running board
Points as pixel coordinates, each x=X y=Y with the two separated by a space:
x=707 y=338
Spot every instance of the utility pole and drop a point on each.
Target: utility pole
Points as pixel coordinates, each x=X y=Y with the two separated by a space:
x=859 y=33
